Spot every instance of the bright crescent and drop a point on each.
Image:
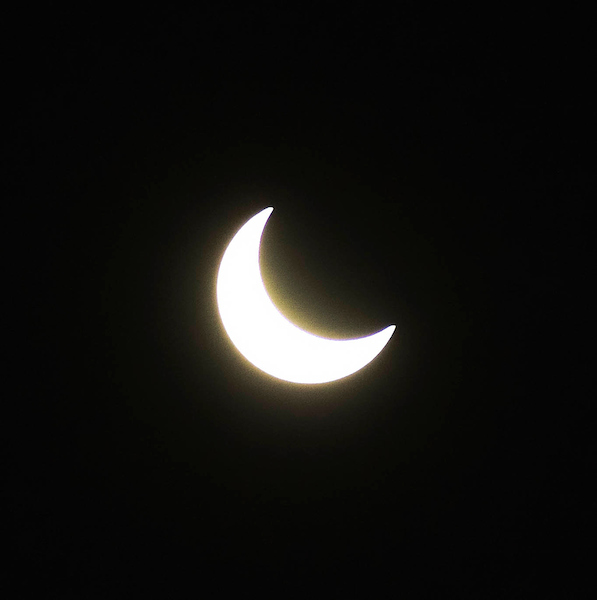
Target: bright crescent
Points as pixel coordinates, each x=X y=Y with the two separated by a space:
x=264 y=336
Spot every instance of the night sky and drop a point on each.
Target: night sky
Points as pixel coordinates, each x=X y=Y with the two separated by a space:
x=418 y=170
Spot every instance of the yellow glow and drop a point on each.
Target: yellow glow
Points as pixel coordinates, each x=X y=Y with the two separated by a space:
x=265 y=337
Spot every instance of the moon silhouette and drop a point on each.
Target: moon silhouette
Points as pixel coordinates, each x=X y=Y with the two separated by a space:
x=264 y=336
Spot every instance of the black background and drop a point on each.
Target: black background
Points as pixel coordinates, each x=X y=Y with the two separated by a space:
x=420 y=175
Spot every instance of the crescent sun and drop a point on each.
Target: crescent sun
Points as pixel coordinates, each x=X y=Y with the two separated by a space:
x=264 y=336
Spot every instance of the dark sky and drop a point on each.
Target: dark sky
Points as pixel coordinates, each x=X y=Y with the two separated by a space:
x=417 y=167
